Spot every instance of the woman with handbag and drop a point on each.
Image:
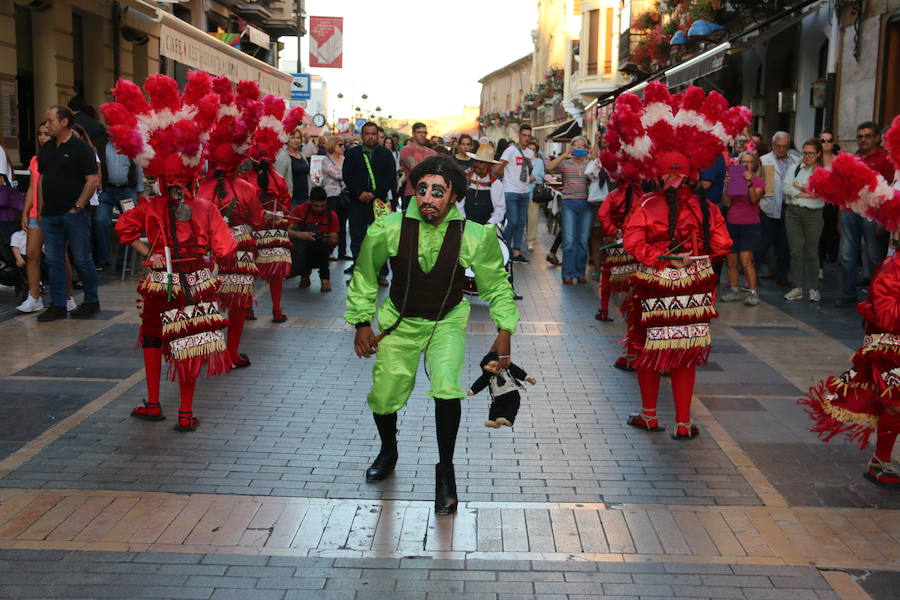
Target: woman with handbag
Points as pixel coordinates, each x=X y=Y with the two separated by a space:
x=333 y=182
x=539 y=195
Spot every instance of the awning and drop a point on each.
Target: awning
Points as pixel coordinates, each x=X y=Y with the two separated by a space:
x=566 y=131
x=701 y=65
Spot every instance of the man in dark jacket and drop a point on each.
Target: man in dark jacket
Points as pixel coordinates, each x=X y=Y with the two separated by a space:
x=369 y=174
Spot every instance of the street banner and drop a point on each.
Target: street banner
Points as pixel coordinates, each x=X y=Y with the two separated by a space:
x=343 y=126
x=326 y=42
x=357 y=129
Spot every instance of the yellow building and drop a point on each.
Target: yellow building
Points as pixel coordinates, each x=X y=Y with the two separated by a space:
x=53 y=50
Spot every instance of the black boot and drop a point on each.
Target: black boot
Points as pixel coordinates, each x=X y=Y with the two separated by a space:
x=444 y=490
x=386 y=460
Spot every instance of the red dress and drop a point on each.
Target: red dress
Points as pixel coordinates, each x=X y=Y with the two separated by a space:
x=242 y=212
x=611 y=216
x=274 y=247
x=181 y=310
x=853 y=402
x=675 y=304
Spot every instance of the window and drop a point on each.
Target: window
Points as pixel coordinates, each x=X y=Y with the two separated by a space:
x=593 y=41
x=890 y=88
x=608 y=42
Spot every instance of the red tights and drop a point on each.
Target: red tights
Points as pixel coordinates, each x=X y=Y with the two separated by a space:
x=275 y=286
x=682 y=389
x=236 y=318
x=604 y=289
x=888 y=428
x=153 y=370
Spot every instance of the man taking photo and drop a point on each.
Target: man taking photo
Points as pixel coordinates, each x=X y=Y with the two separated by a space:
x=314 y=234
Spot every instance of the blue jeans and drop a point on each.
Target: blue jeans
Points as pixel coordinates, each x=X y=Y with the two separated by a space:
x=74 y=228
x=102 y=219
x=854 y=231
x=516 y=217
x=577 y=218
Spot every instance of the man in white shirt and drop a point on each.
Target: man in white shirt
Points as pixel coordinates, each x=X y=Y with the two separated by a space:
x=484 y=202
x=783 y=159
x=515 y=169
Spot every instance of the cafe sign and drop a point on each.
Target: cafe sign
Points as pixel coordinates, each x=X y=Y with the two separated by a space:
x=206 y=55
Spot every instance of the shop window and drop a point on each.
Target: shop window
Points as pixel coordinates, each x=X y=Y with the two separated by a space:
x=182 y=12
x=890 y=89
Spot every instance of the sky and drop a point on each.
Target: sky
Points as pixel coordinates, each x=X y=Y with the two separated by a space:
x=418 y=59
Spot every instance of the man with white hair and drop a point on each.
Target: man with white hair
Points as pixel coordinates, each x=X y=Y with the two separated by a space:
x=783 y=159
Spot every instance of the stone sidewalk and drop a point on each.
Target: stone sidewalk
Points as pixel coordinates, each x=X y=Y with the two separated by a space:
x=266 y=499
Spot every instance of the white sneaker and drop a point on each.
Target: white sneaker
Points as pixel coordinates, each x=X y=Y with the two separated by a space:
x=821 y=274
x=752 y=299
x=794 y=294
x=31 y=305
x=530 y=247
x=70 y=304
x=814 y=296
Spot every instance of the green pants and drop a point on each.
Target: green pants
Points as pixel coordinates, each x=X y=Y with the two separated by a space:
x=397 y=360
x=804 y=228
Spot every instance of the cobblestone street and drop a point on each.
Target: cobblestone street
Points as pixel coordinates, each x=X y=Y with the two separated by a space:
x=267 y=498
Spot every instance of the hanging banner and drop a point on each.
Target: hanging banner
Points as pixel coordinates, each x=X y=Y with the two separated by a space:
x=326 y=42
x=343 y=126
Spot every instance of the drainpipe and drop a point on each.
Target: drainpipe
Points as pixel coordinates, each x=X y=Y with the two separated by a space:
x=116 y=41
x=834 y=39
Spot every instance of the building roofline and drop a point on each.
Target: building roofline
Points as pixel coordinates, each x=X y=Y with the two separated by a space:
x=513 y=64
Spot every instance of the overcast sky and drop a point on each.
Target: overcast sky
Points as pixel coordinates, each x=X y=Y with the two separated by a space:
x=419 y=58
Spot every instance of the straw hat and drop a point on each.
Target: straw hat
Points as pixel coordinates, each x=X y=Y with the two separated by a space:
x=485 y=154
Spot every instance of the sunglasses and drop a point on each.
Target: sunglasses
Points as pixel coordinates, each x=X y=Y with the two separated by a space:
x=826 y=140
x=341 y=144
x=863 y=136
x=810 y=153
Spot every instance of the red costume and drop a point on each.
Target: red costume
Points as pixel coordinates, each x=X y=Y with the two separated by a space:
x=866 y=398
x=274 y=246
x=179 y=318
x=675 y=236
x=237 y=201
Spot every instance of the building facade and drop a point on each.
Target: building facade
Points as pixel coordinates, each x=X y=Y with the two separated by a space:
x=53 y=50
x=502 y=99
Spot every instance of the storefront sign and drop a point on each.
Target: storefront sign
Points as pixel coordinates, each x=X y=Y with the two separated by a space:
x=326 y=42
x=202 y=54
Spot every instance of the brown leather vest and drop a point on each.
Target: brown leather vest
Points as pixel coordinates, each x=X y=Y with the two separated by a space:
x=427 y=290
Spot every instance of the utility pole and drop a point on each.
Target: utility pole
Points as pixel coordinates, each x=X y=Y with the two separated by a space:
x=301 y=31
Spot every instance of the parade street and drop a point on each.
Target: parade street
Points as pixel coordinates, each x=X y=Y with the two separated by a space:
x=267 y=499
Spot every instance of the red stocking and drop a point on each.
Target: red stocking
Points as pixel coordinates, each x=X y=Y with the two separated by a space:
x=649 y=383
x=151 y=410
x=186 y=419
x=275 y=286
x=153 y=371
x=682 y=389
x=888 y=428
x=236 y=317
x=604 y=289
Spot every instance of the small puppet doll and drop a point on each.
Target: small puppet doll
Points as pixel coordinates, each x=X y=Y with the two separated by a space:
x=504 y=387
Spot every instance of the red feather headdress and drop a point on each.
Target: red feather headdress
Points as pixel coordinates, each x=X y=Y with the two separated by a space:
x=170 y=123
x=853 y=185
x=239 y=114
x=274 y=128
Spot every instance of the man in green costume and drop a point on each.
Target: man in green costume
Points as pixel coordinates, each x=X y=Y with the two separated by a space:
x=429 y=246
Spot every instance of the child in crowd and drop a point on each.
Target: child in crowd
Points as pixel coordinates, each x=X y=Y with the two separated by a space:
x=504 y=387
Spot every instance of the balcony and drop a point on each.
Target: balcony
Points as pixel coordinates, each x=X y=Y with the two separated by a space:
x=284 y=19
x=255 y=10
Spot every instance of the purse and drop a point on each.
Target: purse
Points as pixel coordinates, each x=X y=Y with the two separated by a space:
x=542 y=194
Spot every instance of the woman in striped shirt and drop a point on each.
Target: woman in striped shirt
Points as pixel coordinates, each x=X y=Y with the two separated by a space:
x=577 y=216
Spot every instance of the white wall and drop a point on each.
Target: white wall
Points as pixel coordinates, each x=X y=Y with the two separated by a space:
x=816 y=28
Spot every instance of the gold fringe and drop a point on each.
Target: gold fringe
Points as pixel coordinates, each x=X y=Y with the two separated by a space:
x=679 y=344
x=213 y=321
x=236 y=289
x=243 y=238
x=683 y=282
x=843 y=415
x=273 y=259
x=202 y=350
x=693 y=312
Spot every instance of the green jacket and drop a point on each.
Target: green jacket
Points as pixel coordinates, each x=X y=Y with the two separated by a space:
x=480 y=252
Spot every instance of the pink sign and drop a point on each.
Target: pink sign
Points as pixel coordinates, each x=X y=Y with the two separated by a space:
x=326 y=42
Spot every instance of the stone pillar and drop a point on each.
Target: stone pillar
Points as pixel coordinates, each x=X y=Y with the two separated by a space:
x=8 y=68
x=54 y=81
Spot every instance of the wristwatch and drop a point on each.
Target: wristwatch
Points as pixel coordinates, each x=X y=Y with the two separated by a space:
x=362 y=324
